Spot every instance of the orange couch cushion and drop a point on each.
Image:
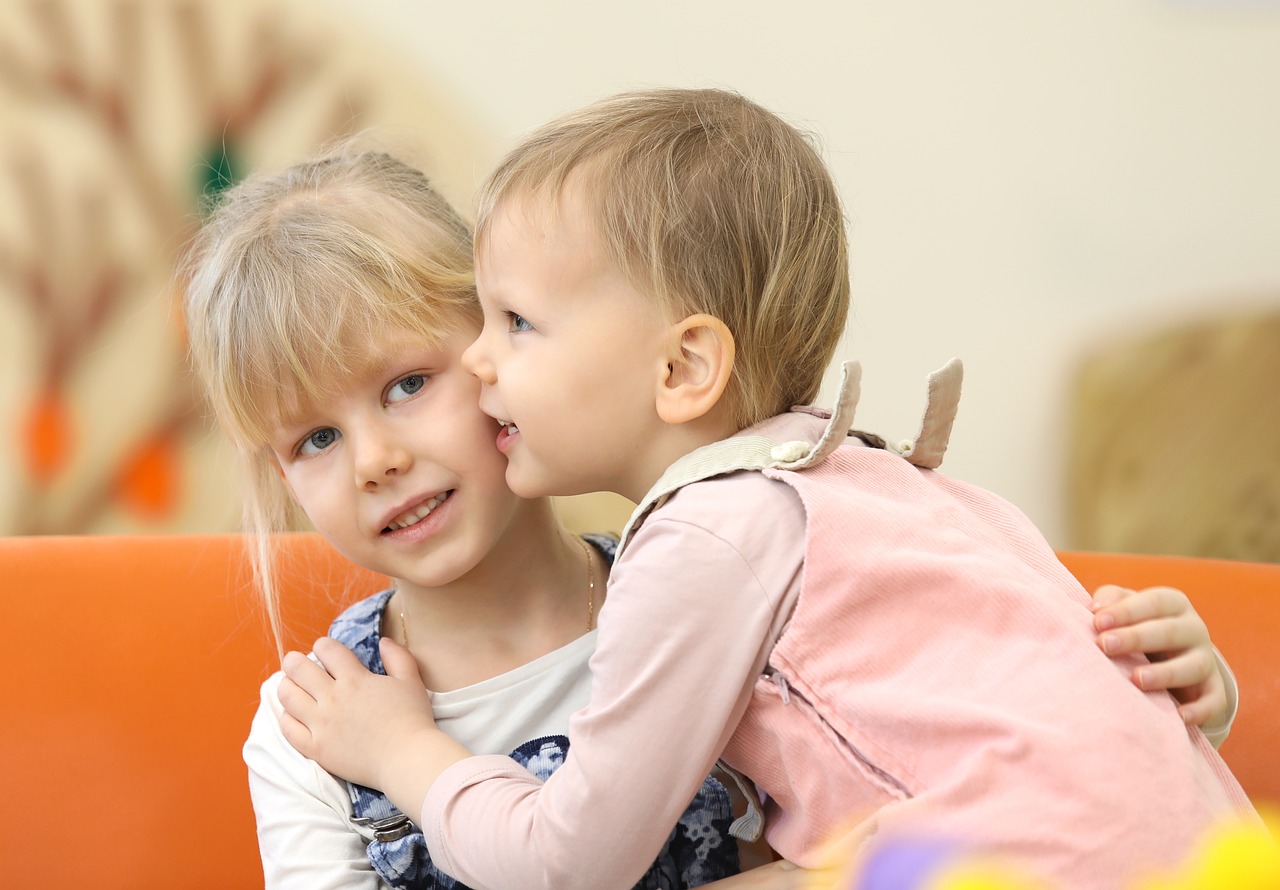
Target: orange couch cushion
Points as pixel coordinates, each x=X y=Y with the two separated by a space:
x=131 y=672
x=132 y=666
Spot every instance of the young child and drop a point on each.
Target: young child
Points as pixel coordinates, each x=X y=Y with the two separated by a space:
x=880 y=649
x=328 y=307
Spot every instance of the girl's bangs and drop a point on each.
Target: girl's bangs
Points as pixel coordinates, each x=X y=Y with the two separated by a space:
x=290 y=351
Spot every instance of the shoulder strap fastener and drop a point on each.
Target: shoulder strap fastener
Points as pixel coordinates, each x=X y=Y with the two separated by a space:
x=750 y=825
x=751 y=453
x=943 y=399
x=391 y=828
x=791 y=457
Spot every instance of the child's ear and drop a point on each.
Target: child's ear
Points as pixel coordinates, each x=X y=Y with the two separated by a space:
x=699 y=365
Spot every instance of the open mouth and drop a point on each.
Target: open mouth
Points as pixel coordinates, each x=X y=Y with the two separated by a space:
x=507 y=431
x=418 y=513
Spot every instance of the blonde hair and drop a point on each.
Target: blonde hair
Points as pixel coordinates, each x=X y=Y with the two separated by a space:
x=291 y=278
x=714 y=205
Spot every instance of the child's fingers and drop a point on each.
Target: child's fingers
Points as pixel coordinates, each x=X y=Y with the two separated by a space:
x=306 y=673
x=399 y=661
x=1163 y=635
x=1194 y=714
x=1185 y=672
x=1109 y=595
x=296 y=701
x=1209 y=706
x=337 y=658
x=295 y=733
x=1206 y=704
x=1109 y=608
x=298 y=667
x=1143 y=605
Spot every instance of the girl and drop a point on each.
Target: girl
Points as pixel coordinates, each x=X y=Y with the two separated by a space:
x=328 y=307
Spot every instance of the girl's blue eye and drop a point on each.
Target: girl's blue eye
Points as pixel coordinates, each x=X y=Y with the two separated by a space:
x=405 y=387
x=517 y=323
x=319 y=440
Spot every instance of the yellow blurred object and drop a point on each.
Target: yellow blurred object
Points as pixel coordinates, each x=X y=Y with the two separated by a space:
x=978 y=877
x=1233 y=857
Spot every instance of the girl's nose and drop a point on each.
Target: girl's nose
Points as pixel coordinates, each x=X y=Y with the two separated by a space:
x=378 y=459
x=475 y=359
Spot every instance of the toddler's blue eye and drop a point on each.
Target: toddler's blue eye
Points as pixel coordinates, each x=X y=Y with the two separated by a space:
x=405 y=387
x=517 y=323
x=319 y=440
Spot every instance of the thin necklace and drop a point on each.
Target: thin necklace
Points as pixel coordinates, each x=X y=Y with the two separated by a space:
x=404 y=625
x=591 y=584
x=591 y=597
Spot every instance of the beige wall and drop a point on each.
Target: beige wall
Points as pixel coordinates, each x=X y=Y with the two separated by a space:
x=1022 y=179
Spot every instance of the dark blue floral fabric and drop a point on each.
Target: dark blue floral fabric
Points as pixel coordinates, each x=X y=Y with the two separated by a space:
x=699 y=849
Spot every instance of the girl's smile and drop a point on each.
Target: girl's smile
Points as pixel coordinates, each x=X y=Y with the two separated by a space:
x=415 y=517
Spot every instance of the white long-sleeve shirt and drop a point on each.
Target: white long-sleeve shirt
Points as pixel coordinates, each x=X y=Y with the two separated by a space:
x=305 y=831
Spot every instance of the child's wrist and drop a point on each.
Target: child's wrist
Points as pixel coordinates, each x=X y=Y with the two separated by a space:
x=411 y=766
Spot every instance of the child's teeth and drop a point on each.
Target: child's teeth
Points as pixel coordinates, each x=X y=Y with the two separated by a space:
x=404 y=520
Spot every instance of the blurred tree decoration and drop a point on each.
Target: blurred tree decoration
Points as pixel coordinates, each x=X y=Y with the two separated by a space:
x=120 y=115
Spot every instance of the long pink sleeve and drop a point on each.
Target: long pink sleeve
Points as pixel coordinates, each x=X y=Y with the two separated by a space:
x=688 y=624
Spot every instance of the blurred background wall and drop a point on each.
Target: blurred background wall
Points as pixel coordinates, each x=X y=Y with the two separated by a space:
x=1080 y=199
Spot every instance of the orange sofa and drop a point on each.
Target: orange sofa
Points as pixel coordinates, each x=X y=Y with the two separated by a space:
x=132 y=666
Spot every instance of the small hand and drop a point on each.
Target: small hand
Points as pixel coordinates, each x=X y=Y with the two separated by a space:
x=353 y=722
x=1161 y=623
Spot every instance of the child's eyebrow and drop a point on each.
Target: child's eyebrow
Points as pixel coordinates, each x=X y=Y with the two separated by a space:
x=383 y=361
x=379 y=364
x=295 y=417
x=376 y=359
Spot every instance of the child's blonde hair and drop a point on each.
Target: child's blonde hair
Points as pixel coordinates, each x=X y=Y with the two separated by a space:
x=711 y=204
x=290 y=280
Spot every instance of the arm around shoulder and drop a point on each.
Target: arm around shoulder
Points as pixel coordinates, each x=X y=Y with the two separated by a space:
x=643 y=745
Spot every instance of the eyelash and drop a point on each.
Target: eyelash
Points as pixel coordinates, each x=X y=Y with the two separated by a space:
x=517 y=323
x=306 y=440
x=415 y=376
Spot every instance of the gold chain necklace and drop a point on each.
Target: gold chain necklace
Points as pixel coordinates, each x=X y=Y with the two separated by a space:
x=591 y=584
x=591 y=597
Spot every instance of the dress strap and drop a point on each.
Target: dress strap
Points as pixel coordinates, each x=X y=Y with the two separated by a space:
x=751 y=453
x=940 y=408
x=745 y=452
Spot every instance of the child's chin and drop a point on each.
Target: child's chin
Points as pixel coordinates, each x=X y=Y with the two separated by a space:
x=522 y=486
x=530 y=485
